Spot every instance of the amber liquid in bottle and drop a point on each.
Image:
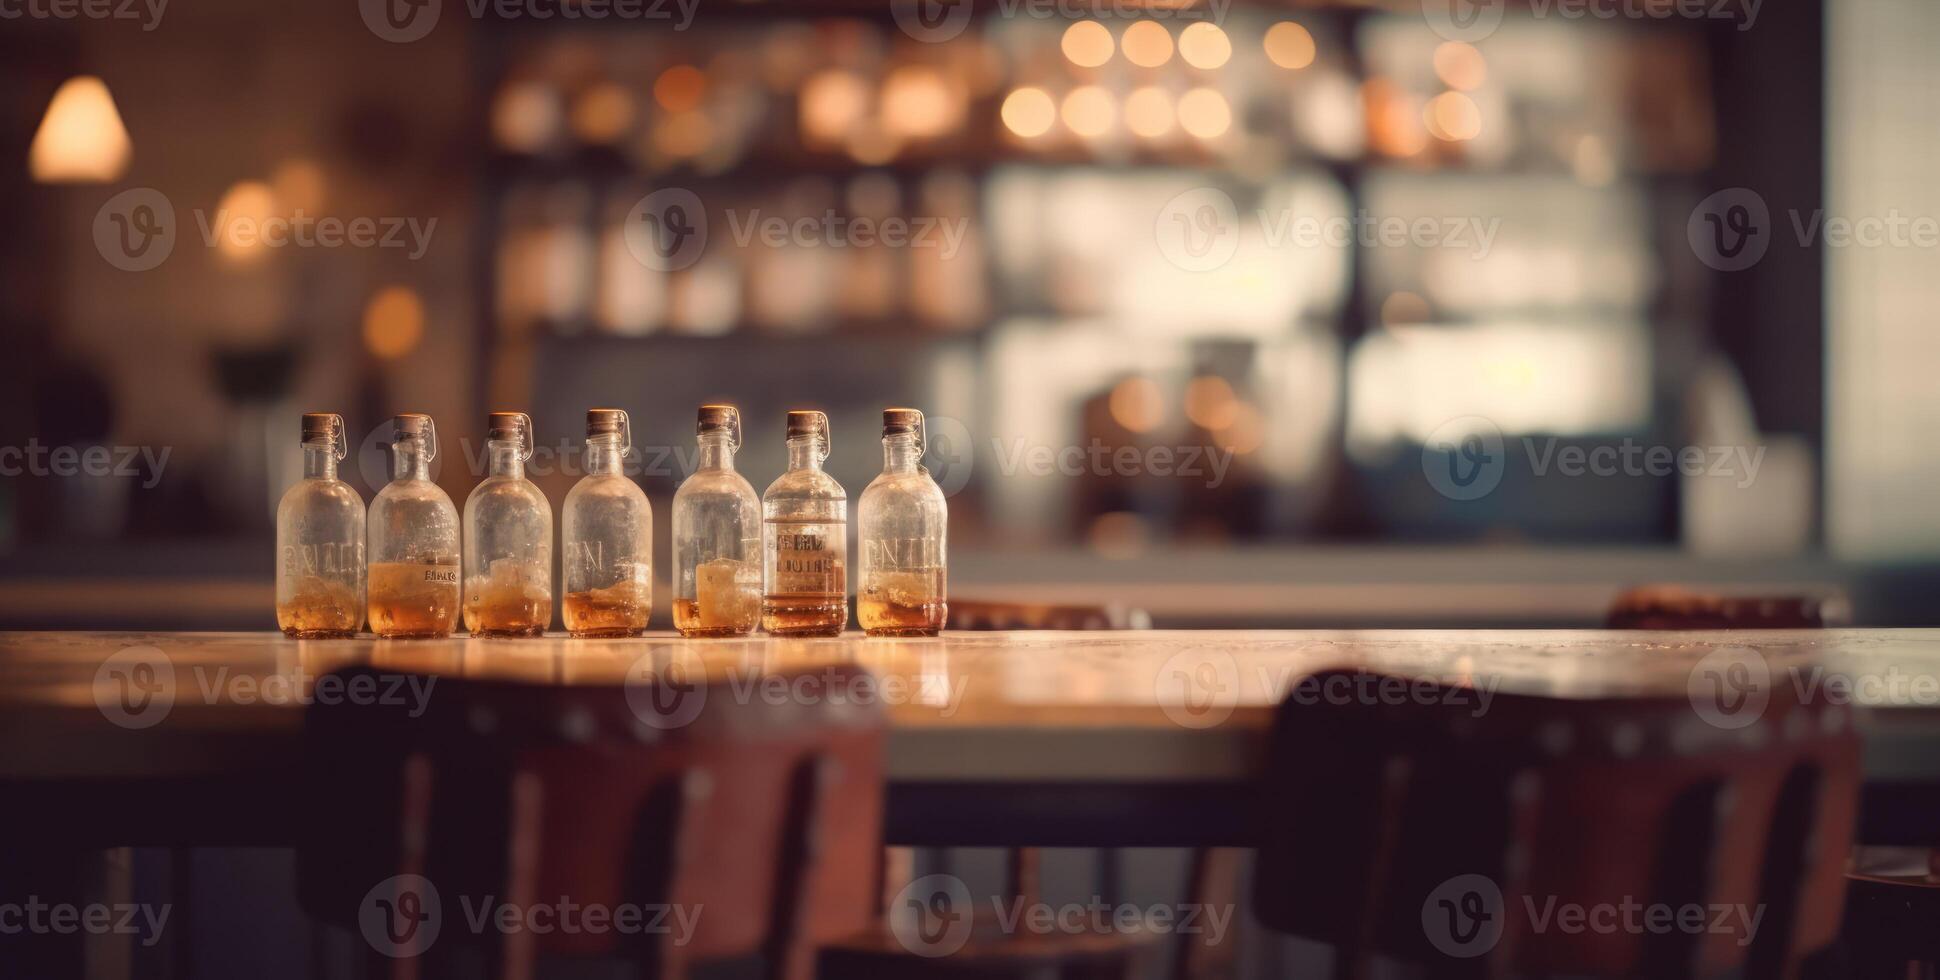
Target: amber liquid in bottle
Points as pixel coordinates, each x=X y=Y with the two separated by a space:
x=903 y=520
x=413 y=542
x=413 y=600
x=609 y=613
x=804 y=539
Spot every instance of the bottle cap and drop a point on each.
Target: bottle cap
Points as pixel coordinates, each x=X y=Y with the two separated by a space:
x=610 y=421
x=897 y=421
x=511 y=427
x=720 y=418
x=326 y=427
x=416 y=425
x=810 y=423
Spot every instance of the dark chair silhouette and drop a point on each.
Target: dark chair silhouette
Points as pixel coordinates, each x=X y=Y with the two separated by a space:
x=762 y=821
x=1670 y=607
x=1427 y=834
x=977 y=616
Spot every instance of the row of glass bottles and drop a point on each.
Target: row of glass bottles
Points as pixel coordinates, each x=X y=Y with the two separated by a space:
x=417 y=586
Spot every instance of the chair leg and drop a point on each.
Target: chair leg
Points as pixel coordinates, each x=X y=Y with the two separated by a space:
x=1212 y=882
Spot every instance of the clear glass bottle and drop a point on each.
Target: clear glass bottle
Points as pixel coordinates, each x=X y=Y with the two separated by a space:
x=320 y=541
x=413 y=541
x=805 y=539
x=717 y=521
x=901 y=525
x=508 y=538
x=607 y=533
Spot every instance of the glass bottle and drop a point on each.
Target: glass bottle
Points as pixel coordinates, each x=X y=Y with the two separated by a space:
x=607 y=535
x=717 y=521
x=413 y=541
x=901 y=522
x=320 y=541
x=805 y=539
x=508 y=538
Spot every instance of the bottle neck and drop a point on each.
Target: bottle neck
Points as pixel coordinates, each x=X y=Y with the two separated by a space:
x=717 y=451
x=805 y=453
x=411 y=460
x=900 y=454
x=319 y=461
x=602 y=455
x=507 y=459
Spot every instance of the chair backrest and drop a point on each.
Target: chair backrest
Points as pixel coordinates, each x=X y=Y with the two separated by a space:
x=1534 y=835
x=758 y=819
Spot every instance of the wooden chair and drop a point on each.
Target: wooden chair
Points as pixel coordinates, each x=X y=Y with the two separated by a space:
x=1892 y=926
x=1670 y=607
x=764 y=821
x=1425 y=833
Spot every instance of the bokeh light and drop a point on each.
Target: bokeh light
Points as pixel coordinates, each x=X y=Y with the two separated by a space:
x=1210 y=402
x=1089 y=111
x=918 y=103
x=833 y=101
x=1460 y=66
x=1087 y=44
x=602 y=114
x=1453 y=117
x=1205 y=46
x=680 y=88
x=1149 y=113
x=1147 y=44
x=1203 y=112
x=1289 y=45
x=1137 y=404
x=393 y=322
x=1029 y=112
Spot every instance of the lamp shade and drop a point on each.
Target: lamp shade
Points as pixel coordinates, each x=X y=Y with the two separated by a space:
x=81 y=139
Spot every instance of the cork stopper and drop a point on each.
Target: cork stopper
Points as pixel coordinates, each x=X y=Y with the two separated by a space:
x=605 y=421
x=807 y=423
x=899 y=420
x=411 y=425
x=509 y=426
x=718 y=417
x=322 y=426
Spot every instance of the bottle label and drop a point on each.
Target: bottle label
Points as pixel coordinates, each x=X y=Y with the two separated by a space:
x=806 y=557
x=330 y=559
x=902 y=554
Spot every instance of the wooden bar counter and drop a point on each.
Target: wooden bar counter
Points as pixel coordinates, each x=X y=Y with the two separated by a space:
x=1122 y=738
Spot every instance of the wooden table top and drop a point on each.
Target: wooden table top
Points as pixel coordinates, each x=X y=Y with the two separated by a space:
x=1148 y=707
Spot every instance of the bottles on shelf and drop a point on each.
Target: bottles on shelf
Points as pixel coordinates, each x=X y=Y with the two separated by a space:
x=607 y=535
x=901 y=527
x=804 y=539
x=413 y=541
x=320 y=541
x=717 y=520
x=508 y=539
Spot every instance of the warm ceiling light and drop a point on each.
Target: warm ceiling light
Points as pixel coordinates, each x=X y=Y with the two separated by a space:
x=1204 y=46
x=1089 y=111
x=393 y=322
x=1147 y=44
x=680 y=88
x=1204 y=113
x=1087 y=44
x=1148 y=112
x=1289 y=45
x=81 y=139
x=1137 y=405
x=241 y=215
x=602 y=114
x=1029 y=112
x=833 y=102
x=1453 y=117
x=1461 y=66
x=918 y=102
